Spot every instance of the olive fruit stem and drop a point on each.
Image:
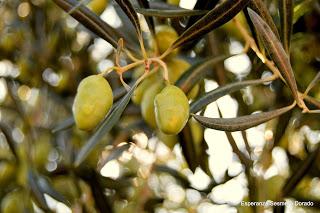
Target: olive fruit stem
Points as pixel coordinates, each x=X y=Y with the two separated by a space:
x=131 y=56
x=164 y=66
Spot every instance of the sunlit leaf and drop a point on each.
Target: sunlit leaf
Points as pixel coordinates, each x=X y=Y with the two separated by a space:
x=111 y=120
x=241 y=123
x=276 y=51
x=286 y=19
x=212 y=20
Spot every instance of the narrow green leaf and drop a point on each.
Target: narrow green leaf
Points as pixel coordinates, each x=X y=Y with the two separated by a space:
x=213 y=19
x=260 y=8
x=111 y=120
x=145 y=4
x=195 y=73
x=6 y=130
x=46 y=187
x=203 y=5
x=241 y=123
x=63 y=125
x=162 y=5
x=276 y=51
x=286 y=22
x=36 y=191
x=215 y=94
x=170 y=13
x=90 y=20
x=300 y=172
x=127 y=7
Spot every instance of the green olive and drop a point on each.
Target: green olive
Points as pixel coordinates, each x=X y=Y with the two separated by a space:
x=173 y=2
x=165 y=36
x=16 y=202
x=66 y=187
x=143 y=87
x=92 y=102
x=41 y=151
x=197 y=134
x=147 y=106
x=193 y=93
x=169 y=140
x=7 y=172
x=171 y=110
x=98 y=6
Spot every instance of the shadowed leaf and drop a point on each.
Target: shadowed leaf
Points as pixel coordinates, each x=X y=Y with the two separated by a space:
x=286 y=19
x=91 y=21
x=204 y=5
x=212 y=20
x=116 y=153
x=215 y=94
x=241 y=123
x=260 y=8
x=6 y=130
x=301 y=9
x=176 y=13
x=276 y=51
x=111 y=120
x=188 y=149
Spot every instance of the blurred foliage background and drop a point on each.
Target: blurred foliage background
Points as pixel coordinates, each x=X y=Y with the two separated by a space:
x=45 y=53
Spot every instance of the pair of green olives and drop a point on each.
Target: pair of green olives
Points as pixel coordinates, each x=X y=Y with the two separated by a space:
x=92 y=102
x=165 y=107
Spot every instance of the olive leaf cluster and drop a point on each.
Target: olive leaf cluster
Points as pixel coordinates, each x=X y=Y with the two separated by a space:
x=65 y=116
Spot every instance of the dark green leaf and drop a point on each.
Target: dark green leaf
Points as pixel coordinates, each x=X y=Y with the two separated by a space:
x=215 y=94
x=195 y=73
x=111 y=120
x=203 y=5
x=241 y=123
x=213 y=19
x=286 y=22
x=276 y=51
x=91 y=21
x=260 y=8
x=63 y=125
x=170 y=13
x=188 y=149
x=127 y=7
